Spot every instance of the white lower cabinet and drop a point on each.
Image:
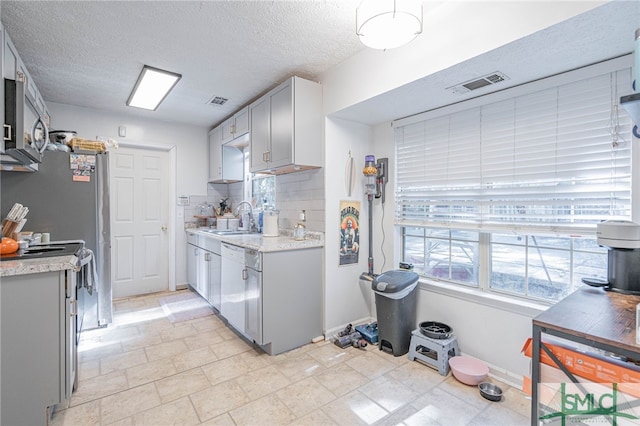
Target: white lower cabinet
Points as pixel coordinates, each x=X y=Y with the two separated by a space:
x=283 y=302
x=215 y=279
x=253 y=296
x=203 y=267
x=38 y=313
x=272 y=298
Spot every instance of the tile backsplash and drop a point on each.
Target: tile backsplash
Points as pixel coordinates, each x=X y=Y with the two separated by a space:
x=298 y=191
x=294 y=192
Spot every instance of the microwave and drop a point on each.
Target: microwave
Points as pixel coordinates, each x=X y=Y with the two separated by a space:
x=25 y=131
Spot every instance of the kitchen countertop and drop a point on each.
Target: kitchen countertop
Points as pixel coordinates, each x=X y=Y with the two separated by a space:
x=10 y=268
x=260 y=243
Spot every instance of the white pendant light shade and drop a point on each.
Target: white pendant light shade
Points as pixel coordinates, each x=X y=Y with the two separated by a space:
x=387 y=24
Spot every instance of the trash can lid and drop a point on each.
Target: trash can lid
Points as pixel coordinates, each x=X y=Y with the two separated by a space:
x=394 y=281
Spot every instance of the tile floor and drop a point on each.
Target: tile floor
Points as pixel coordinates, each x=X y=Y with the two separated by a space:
x=144 y=370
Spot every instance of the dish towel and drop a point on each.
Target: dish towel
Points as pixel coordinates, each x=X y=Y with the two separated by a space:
x=89 y=272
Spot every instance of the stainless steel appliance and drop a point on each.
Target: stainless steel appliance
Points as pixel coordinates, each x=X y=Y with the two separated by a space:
x=25 y=132
x=232 y=306
x=70 y=207
x=623 y=263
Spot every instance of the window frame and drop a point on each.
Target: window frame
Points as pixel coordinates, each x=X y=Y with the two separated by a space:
x=483 y=293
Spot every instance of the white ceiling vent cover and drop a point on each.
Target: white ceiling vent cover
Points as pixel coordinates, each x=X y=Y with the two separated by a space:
x=477 y=83
x=217 y=100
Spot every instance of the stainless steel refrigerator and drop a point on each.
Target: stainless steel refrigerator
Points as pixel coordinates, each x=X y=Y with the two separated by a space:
x=68 y=197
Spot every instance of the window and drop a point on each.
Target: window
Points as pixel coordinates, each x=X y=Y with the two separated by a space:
x=505 y=193
x=263 y=192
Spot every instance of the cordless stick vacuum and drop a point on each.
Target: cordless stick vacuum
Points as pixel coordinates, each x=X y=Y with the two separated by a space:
x=374 y=186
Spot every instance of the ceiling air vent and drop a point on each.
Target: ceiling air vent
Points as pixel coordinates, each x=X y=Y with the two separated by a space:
x=477 y=83
x=217 y=100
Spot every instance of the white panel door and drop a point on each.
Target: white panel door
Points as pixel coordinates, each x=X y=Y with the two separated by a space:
x=140 y=206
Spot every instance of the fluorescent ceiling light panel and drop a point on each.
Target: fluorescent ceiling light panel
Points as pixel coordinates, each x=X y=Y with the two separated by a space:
x=152 y=87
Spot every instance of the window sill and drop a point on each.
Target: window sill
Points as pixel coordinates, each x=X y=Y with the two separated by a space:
x=505 y=303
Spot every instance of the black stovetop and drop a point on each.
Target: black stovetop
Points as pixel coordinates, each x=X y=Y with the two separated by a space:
x=45 y=250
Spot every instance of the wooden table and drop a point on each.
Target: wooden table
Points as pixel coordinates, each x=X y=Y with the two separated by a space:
x=591 y=316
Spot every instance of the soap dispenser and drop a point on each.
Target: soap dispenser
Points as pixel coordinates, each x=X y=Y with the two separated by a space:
x=300 y=231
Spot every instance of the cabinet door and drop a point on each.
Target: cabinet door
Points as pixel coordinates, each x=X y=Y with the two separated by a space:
x=14 y=68
x=232 y=164
x=204 y=259
x=71 y=318
x=227 y=130
x=215 y=279
x=192 y=265
x=215 y=154
x=260 y=134
x=253 y=305
x=282 y=126
x=241 y=122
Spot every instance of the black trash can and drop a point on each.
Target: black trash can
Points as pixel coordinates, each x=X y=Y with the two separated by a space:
x=396 y=299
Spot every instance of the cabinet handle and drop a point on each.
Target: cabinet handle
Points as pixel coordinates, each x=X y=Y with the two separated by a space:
x=7 y=129
x=245 y=274
x=74 y=308
x=207 y=257
x=232 y=129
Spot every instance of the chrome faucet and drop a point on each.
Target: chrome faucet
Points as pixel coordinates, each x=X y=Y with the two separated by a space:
x=251 y=225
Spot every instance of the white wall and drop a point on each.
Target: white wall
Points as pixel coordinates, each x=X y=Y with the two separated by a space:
x=192 y=162
x=346 y=299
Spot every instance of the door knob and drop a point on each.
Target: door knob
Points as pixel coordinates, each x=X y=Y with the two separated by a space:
x=164 y=227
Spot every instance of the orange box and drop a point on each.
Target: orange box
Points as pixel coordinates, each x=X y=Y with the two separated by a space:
x=588 y=367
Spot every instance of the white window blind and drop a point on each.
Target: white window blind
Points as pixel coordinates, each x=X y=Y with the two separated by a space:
x=555 y=160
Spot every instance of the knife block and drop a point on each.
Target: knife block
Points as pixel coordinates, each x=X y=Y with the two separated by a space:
x=11 y=227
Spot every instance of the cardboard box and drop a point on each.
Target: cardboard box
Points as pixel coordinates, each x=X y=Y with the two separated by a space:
x=592 y=367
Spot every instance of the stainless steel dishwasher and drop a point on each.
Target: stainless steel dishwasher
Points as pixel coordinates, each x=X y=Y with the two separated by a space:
x=232 y=286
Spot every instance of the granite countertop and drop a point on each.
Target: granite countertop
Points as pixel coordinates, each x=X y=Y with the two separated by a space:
x=10 y=268
x=258 y=242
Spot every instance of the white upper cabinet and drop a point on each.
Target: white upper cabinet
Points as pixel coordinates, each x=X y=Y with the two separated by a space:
x=226 y=130
x=14 y=69
x=215 y=155
x=226 y=163
x=286 y=128
x=235 y=126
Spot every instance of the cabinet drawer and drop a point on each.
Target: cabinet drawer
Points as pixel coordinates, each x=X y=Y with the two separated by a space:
x=192 y=238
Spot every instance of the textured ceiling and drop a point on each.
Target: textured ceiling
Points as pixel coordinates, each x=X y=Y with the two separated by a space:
x=90 y=53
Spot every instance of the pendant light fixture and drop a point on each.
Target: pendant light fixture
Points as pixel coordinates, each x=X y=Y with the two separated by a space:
x=387 y=24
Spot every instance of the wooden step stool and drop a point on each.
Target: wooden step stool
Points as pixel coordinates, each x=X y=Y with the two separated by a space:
x=434 y=352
